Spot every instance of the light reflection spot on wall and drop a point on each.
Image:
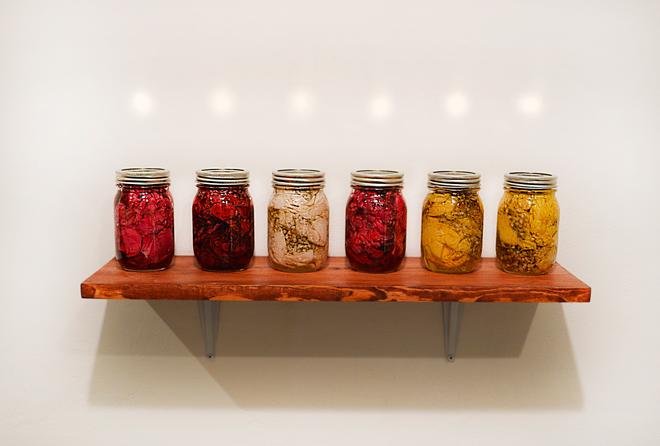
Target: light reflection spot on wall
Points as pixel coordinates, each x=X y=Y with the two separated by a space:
x=142 y=103
x=302 y=103
x=530 y=104
x=222 y=102
x=381 y=107
x=457 y=104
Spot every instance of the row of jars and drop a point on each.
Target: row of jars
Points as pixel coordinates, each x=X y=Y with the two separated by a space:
x=298 y=221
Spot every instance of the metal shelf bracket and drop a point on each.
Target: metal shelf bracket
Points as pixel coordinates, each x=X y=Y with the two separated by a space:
x=452 y=312
x=209 y=318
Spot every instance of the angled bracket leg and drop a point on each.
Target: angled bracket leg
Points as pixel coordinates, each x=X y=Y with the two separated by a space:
x=209 y=317
x=451 y=318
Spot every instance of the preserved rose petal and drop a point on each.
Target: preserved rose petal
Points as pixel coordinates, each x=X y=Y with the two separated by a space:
x=146 y=225
x=130 y=241
x=148 y=246
x=164 y=244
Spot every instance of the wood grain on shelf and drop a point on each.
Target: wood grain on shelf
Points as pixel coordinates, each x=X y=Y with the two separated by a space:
x=412 y=283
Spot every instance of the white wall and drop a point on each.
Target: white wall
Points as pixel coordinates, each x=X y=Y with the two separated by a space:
x=561 y=86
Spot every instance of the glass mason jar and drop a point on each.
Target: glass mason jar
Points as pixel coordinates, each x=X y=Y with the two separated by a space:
x=223 y=220
x=298 y=220
x=527 y=223
x=452 y=222
x=144 y=219
x=376 y=221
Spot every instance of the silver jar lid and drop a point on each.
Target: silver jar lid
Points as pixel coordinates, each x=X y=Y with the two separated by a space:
x=223 y=177
x=530 y=181
x=299 y=178
x=454 y=180
x=377 y=178
x=143 y=176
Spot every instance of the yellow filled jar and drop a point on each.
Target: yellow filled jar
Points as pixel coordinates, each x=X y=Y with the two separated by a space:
x=452 y=222
x=528 y=223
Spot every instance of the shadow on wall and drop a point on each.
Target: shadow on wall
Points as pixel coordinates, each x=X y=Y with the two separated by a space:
x=336 y=355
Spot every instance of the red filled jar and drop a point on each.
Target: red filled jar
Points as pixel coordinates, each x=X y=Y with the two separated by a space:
x=223 y=220
x=376 y=221
x=144 y=219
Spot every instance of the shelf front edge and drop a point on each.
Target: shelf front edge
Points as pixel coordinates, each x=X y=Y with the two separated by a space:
x=336 y=283
x=321 y=293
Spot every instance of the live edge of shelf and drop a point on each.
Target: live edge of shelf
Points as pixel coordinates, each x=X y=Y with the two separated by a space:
x=412 y=283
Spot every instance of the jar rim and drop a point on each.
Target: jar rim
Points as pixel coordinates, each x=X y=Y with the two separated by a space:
x=378 y=178
x=298 y=178
x=143 y=176
x=223 y=177
x=530 y=181
x=454 y=180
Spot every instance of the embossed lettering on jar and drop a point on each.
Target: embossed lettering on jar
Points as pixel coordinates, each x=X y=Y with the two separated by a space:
x=376 y=221
x=144 y=219
x=298 y=220
x=223 y=220
x=528 y=223
x=452 y=222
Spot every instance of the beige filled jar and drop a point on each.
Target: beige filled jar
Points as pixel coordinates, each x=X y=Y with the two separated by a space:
x=527 y=223
x=298 y=221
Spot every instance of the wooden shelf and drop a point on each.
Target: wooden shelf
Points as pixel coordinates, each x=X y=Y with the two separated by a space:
x=412 y=283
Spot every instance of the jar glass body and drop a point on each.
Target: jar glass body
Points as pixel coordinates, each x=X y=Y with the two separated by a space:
x=527 y=231
x=144 y=227
x=452 y=230
x=223 y=227
x=375 y=229
x=298 y=221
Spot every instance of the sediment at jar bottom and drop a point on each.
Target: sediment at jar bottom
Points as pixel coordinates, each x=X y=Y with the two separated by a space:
x=452 y=232
x=375 y=239
x=527 y=232
x=298 y=223
x=223 y=228
x=144 y=228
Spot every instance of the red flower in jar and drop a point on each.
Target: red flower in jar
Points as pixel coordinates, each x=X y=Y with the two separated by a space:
x=375 y=229
x=144 y=223
x=223 y=220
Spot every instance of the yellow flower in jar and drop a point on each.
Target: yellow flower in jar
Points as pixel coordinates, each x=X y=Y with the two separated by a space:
x=527 y=224
x=452 y=223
